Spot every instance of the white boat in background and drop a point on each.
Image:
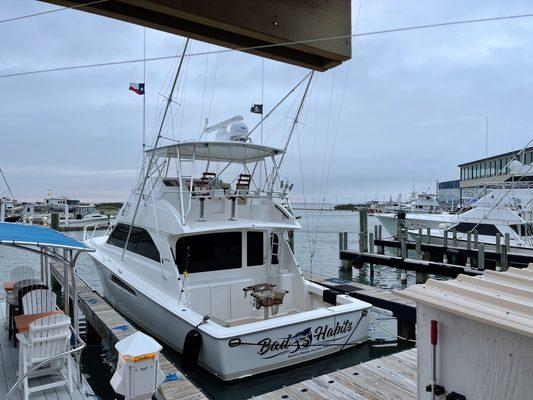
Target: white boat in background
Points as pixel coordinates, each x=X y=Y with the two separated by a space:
x=416 y=221
x=201 y=260
x=86 y=220
x=423 y=212
x=488 y=221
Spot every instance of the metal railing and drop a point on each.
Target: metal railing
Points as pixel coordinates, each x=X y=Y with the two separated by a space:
x=90 y=230
x=77 y=349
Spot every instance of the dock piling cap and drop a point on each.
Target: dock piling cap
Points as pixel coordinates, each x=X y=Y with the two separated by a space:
x=138 y=347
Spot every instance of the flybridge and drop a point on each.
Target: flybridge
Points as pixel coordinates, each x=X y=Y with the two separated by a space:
x=217 y=151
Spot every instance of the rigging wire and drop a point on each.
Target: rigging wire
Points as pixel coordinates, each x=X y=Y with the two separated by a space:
x=327 y=171
x=203 y=124
x=51 y=11
x=272 y=45
x=213 y=87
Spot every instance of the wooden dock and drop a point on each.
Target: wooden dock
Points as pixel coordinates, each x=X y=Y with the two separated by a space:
x=386 y=378
x=112 y=327
x=9 y=366
x=409 y=264
x=403 y=310
x=516 y=257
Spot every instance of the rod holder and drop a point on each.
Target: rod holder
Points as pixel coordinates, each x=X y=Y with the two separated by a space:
x=233 y=209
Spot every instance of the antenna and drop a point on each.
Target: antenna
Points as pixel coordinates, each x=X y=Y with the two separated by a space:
x=487 y=138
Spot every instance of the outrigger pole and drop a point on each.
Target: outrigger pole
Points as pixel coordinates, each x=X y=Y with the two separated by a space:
x=279 y=103
x=7 y=184
x=293 y=127
x=152 y=155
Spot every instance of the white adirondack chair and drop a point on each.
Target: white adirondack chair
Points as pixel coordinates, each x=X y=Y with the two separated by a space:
x=12 y=297
x=47 y=337
x=39 y=301
x=23 y=272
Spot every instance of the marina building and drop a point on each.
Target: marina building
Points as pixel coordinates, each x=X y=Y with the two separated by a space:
x=489 y=170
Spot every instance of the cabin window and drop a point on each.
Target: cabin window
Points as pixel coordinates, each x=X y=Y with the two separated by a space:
x=255 y=251
x=140 y=241
x=211 y=252
x=274 y=243
x=483 y=229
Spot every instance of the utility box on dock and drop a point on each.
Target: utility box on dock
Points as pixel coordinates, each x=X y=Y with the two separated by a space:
x=138 y=374
x=475 y=336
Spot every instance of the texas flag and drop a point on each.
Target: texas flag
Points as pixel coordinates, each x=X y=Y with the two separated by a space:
x=137 y=87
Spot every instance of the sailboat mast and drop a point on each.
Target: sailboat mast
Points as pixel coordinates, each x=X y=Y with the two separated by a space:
x=152 y=155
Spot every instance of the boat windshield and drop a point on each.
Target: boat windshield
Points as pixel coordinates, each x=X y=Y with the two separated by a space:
x=483 y=229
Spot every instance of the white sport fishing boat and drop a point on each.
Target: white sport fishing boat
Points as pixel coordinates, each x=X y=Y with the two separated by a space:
x=488 y=220
x=208 y=268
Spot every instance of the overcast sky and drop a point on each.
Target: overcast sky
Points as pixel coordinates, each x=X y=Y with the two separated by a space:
x=415 y=102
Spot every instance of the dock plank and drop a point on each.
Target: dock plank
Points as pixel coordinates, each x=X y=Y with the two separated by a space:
x=388 y=378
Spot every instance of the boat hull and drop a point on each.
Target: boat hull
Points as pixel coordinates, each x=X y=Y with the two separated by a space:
x=252 y=353
x=415 y=221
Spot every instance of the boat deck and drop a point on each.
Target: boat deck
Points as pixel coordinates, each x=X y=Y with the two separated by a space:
x=386 y=378
x=9 y=366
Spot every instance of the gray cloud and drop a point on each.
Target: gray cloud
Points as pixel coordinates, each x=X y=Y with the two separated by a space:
x=414 y=107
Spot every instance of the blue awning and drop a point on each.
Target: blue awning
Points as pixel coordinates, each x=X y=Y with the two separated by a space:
x=32 y=235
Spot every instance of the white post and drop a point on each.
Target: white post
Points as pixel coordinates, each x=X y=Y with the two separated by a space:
x=66 y=215
x=2 y=212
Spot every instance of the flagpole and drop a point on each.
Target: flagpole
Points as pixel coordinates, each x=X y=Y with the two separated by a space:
x=262 y=108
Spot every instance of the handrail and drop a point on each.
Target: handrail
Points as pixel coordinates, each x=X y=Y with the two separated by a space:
x=94 y=228
x=48 y=360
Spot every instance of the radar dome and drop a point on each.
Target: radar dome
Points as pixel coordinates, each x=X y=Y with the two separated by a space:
x=238 y=130
x=515 y=166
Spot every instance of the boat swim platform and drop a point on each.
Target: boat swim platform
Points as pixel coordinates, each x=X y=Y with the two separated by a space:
x=402 y=309
x=386 y=378
x=113 y=327
x=9 y=367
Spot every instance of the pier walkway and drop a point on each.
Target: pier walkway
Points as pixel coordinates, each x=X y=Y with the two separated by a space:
x=386 y=378
x=112 y=327
x=9 y=366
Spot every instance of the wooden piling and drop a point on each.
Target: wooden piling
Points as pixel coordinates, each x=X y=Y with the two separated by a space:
x=428 y=234
x=469 y=240
x=504 y=262
x=476 y=241
x=507 y=242
x=454 y=237
x=54 y=223
x=371 y=251
x=363 y=231
x=343 y=245
x=481 y=257
x=421 y=277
